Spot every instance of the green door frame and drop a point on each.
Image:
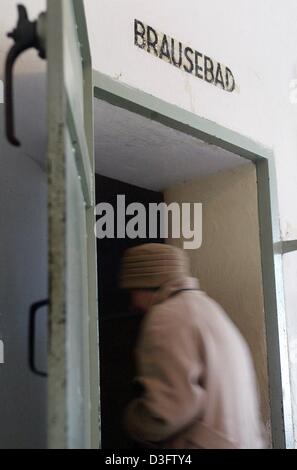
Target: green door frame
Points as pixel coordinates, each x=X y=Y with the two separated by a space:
x=139 y=102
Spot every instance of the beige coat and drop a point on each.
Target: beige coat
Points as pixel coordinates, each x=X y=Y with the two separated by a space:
x=197 y=376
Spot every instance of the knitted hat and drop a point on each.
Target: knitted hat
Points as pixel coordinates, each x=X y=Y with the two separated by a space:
x=152 y=265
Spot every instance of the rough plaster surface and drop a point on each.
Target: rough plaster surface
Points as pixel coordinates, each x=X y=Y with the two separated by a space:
x=139 y=151
x=228 y=263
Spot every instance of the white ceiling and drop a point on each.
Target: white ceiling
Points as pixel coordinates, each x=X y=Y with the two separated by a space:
x=139 y=151
x=128 y=147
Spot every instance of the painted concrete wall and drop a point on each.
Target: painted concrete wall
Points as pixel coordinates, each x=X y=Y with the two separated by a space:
x=257 y=40
x=230 y=32
x=228 y=264
x=23 y=275
x=23 y=249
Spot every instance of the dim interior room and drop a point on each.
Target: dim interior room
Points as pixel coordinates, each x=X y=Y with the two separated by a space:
x=151 y=162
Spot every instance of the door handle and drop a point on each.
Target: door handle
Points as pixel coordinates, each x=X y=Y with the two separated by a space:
x=32 y=316
x=27 y=34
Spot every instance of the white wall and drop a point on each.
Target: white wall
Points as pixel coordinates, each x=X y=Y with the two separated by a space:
x=228 y=264
x=23 y=248
x=23 y=275
x=257 y=40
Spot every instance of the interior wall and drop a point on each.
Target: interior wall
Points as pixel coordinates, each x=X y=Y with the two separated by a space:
x=23 y=281
x=23 y=243
x=263 y=107
x=228 y=263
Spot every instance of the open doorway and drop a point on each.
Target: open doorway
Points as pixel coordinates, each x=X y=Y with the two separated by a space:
x=134 y=149
x=118 y=326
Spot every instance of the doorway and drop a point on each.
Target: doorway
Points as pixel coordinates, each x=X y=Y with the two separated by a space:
x=143 y=141
x=118 y=327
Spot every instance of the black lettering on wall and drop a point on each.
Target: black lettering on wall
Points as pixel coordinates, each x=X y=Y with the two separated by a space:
x=198 y=68
x=139 y=31
x=230 y=81
x=219 y=77
x=164 y=51
x=190 y=68
x=185 y=58
x=175 y=62
x=208 y=69
x=152 y=40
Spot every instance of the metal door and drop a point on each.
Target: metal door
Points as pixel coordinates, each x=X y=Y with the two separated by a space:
x=73 y=376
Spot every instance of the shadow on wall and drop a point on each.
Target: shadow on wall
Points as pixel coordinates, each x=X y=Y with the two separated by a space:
x=23 y=267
